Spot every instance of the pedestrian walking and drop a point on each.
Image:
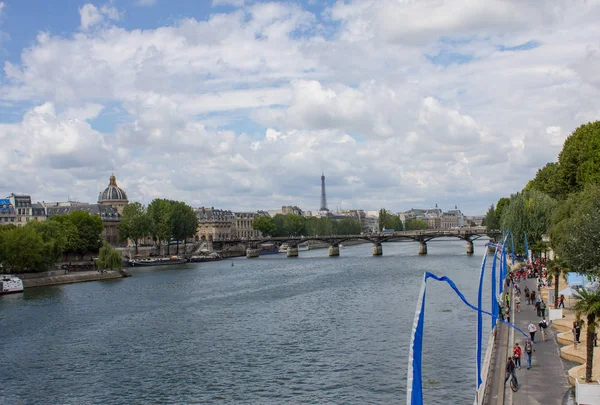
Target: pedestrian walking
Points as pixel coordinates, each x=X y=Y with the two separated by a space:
x=578 y=330
x=561 y=301
x=518 y=303
x=507 y=299
x=532 y=296
x=532 y=329
x=510 y=370
x=543 y=325
x=574 y=332
x=537 y=308
x=517 y=355
x=528 y=353
x=542 y=309
x=526 y=291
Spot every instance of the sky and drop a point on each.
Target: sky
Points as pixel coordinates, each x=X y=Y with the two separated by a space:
x=242 y=104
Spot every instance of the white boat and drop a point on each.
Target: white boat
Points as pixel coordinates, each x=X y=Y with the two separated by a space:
x=10 y=284
x=303 y=246
x=283 y=248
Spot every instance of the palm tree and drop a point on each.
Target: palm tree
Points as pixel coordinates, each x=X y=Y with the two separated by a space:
x=589 y=305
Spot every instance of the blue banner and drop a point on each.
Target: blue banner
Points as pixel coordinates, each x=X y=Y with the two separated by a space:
x=494 y=296
x=480 y=317
x=414 y=395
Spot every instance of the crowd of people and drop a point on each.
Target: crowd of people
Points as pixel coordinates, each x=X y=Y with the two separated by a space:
x=532 y=297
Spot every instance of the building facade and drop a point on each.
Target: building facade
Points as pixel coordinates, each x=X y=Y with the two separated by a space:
x=25 y=211
x=8 y=215
x=243 y=225
x=214 y=224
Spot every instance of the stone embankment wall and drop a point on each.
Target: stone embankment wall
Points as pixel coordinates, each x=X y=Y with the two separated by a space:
x=57 y=277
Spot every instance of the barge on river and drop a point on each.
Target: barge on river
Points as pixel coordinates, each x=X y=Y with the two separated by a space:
x=10 y=284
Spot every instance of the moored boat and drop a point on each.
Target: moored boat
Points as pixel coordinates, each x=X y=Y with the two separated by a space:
x=268 y=249
x=303 y=246
x=213 y=257
x=157 y=261
x=283 y=248
x=10 y=284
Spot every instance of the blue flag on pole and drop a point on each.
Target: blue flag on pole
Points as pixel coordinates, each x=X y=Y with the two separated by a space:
x=414 y=395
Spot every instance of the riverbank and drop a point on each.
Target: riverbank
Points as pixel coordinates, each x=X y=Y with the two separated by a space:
x=57 y=277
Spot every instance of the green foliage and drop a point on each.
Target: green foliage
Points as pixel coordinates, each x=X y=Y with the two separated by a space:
x=414 y=224
x=490 y=218
x=109 y=258
x=529 y=211
x=548 y=181
x=135 y=223
x=500 y=207
x=579 y=159
x=159 y=213
x=589 y=304
x=579 y=244
x=382 y=219
x=264 y=224
x=23 y=249
x=348 y=226
x=569 y=209
x=82 y=230
x=54 y=235
x=296 y=225
x=387 y=220
x=183 y=221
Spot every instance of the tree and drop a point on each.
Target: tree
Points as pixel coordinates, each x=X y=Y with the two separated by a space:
x=530 y=212
x=109 y=257
x=414 y=224
x=83 y=231
x=348 y=226
x=383 y=218
x=159 y=212
x=500 y=206
x=579 y=159
x=183 y=221
x=264 y=224
x=490 y=219
x=55 y=237
x=135 y=223
x=548 y=181
x=589 y=304
x=23 y=249
x=579 y=247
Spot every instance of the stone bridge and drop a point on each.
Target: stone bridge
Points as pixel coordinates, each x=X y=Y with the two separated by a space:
x=468 y=234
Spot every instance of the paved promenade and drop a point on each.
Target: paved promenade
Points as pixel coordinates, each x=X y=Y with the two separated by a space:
x=546 y=382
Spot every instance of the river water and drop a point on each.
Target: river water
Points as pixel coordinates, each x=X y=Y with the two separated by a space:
x=271 y=330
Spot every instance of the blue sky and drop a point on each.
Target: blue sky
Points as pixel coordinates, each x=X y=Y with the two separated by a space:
x=241 y=104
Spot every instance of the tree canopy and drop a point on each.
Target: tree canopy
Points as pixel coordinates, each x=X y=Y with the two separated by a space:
x=135 y=223
x=529 y=211
x=264 y=224
x=579 y=159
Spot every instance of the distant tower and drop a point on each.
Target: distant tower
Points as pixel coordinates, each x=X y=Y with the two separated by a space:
x=323 y=195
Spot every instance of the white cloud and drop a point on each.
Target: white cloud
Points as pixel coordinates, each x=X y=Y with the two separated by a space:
x=245 y=108
x=91 y=15
x=145 y=3
x=235 y=3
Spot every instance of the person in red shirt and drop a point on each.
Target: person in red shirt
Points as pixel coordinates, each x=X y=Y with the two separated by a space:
x=517 y=355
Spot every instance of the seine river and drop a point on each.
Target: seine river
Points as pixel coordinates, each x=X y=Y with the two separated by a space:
x=270 y=330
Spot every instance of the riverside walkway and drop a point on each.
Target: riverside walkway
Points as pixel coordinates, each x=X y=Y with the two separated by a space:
x=546 y=381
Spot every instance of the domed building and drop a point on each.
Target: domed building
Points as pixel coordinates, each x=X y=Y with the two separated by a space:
x=113 y=196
